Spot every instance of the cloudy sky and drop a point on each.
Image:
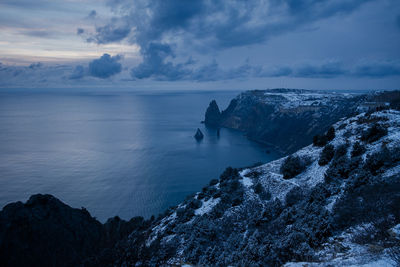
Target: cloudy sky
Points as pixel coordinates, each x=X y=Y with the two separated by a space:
x=194 y=44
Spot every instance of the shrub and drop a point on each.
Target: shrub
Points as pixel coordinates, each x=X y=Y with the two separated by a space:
x=229 y=173
x=319 y=140
x=272 y=209
x=383 y=158
x=340 y=166
x=194 y=204
x=258 y=188
x=253 y=174
x=330 y=134
x=340 y=151
x=326 y=155
x=358 y=149
x=262 y=193
x=368 y=202
x=293 y=166
x=374 y=133
x=213 y=182
x=322 y=140
x=294 y=195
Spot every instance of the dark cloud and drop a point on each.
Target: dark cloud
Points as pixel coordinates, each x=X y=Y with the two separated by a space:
x=333 y=70
x=280 y=72
x=110 y=33
x=35 y=65
x=213 y=72
x=154 y=65
x=92 y=14
x=38 y=33
x=105 y=67
x=155 y=25
x=80 y=31
x=78 y=73
x=378 y=70
x=209 y=72
x=329 y=70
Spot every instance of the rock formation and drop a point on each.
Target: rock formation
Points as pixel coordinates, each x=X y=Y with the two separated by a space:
x=46 y=232
x=199 y=135
x=213 y=115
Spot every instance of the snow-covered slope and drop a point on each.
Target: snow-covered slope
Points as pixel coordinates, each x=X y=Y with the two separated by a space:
x=344 y=212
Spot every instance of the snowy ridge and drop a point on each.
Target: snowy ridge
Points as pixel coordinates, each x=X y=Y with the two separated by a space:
x=295 y=98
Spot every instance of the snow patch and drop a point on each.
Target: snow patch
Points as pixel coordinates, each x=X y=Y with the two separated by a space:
x=247 y=182
x=207 y=206
x=396 y=231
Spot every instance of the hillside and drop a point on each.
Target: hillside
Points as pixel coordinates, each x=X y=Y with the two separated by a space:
x=336 y=203
x=289 y=118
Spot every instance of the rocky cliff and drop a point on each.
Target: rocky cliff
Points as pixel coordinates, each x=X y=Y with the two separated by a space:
x=289 y=118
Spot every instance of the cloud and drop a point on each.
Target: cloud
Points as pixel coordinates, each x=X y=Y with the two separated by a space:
x=110 y=33
x=78 y=73
x=208 y=25
x=35 y=65
x=92 y=14
x=38 y=33
x=378 y=70
x=80 y=31
x=154 y=64
x=105 y=67
x=328 y=70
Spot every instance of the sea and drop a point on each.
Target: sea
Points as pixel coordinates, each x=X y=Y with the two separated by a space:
x=115 y=153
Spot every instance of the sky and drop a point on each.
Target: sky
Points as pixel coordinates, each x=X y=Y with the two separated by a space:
x=200 y=44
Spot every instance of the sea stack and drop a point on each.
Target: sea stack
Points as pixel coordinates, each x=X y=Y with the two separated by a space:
x=213 y=115
x=199 y=135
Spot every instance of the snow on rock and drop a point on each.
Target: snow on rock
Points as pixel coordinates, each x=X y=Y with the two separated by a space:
x=395 y=231
x=207 y=206
x=160 y=228
x=246 y=181
x=392 y=171
x=290 y=99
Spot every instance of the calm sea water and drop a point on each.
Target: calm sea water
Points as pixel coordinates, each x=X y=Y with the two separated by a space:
x=123 y=154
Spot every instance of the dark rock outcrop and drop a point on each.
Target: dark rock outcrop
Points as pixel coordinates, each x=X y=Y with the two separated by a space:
x=46 y=232
x=213 y=115
x=199 y=135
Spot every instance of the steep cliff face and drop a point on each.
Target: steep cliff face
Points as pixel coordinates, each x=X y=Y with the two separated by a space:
x=331 y=205
x=289 y=118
